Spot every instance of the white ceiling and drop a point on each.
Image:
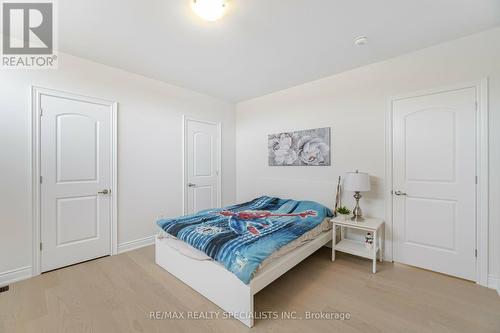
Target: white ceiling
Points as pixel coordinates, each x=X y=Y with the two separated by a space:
x=260 y=46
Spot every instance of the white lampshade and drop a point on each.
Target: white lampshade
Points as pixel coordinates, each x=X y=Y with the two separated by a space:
x=357 y=182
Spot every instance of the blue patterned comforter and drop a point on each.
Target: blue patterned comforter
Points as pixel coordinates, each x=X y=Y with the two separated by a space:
x=241 y=236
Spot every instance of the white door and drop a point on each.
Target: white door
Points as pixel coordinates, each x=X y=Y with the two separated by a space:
x=201 y=162
x=434 y=181
x=75 y=156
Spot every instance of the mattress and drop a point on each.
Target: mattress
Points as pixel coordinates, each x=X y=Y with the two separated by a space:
x=189 y=251
x=243 y=235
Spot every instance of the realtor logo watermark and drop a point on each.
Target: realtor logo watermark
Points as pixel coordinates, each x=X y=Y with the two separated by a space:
x=28 y=34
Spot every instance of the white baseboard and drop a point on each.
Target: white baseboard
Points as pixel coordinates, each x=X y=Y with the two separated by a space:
x=135 y=244
x=494 y=283
x=14 y=275
x=23 y=273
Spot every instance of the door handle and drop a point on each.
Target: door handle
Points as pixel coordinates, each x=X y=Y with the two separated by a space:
x=400 y=193
x=191 y=185
x=105 y=191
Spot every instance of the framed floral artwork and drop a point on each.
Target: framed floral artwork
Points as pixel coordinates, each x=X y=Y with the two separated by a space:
x=300 y=148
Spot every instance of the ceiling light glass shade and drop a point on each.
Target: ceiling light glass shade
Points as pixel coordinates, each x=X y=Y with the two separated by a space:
x=209 y=10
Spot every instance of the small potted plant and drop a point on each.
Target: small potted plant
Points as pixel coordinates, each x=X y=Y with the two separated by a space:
x=343 y=212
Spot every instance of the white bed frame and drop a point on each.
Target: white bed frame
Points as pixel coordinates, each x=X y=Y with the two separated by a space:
x=222 y=287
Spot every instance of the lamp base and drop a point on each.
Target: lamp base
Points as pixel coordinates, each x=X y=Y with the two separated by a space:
x=356 y=212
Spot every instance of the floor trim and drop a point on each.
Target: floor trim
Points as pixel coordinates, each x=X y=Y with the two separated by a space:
x=15 y=275
x=135 y=244
x=494 y=283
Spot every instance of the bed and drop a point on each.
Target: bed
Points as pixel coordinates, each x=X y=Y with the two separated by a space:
x=230 y=254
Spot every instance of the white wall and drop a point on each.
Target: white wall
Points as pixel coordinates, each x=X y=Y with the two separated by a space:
x=149 y=148
x=354 y=105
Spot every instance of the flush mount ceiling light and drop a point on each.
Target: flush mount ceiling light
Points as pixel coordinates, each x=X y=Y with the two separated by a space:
x=210 y=10
x=361 y=40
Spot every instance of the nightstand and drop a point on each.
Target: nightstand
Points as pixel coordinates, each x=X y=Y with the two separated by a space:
x=358 y=248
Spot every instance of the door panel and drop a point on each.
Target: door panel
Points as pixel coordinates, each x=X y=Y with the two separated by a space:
x=202 y=153
x=439 y=127
x=204 y=198
x=441 y=223
x=202 y=163
x=77 y=219
x=434 y=165
x=75 y=146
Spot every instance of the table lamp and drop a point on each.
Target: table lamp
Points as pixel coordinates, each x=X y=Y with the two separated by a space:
x=357 y=182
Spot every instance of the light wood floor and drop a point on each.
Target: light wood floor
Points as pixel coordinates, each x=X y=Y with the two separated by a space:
x=116 y=294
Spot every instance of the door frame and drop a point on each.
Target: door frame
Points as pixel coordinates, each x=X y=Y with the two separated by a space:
x=482 y=196
x=36 y=93
x=185 y=120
